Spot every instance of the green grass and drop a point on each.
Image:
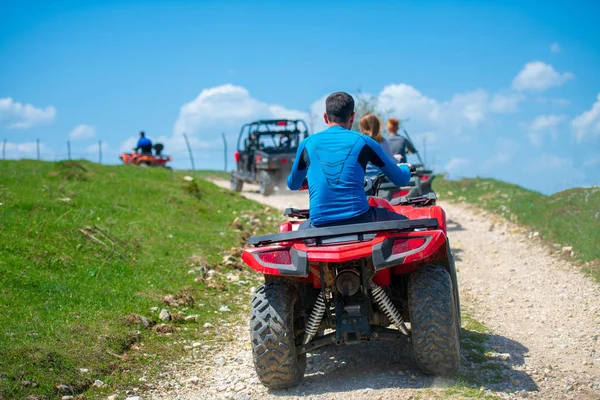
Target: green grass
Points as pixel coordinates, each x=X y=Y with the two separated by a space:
x=82 y=246
x=568 y=218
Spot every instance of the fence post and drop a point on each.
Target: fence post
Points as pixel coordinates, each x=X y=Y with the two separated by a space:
x=225 y=149
x=37 y=142
x=189 y=151
x=100 y=151
x=69 y=150
x=4 y=149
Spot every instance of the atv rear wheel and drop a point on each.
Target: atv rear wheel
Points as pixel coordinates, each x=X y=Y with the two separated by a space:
x=144 y=164
x=433 y=319
x=236 y=183
x=266 y=183
x=274 y=323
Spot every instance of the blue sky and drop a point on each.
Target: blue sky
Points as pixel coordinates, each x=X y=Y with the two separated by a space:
x=502 y=89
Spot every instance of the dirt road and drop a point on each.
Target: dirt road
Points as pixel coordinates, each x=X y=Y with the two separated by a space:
x=542 y=341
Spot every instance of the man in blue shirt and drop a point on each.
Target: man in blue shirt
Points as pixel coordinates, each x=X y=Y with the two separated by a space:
x=334 y=163
x=144 y=144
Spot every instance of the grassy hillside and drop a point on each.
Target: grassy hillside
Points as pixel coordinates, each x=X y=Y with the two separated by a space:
x=85 y=250
x=568 y=218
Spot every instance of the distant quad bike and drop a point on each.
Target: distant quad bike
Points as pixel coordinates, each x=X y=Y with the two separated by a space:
x=389 y=191
x=265 y=153
x=358 y=283
x=147 y=160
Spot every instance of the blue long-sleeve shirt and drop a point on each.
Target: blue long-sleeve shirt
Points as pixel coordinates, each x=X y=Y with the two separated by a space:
x=144 y=142
x=334 y=162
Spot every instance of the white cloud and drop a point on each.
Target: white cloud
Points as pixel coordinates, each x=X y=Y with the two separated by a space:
x=463 y=111
x=505 y=152
x=588 y=122
x=542 y=125
x=14 y=115
x=506 y=103
x=82 y=132
x=538 y=76
x=27 y=150
x=457 y=166
x=226 y=104
x=555 y=48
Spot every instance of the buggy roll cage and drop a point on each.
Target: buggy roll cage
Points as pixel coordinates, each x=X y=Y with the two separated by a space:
x=264 y=126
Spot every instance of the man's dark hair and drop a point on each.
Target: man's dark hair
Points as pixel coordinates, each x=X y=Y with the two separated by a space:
x=142 y=134
x=339 y=107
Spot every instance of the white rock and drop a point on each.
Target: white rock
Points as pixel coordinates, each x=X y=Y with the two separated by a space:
x=84 y=370
x=224 y=309
x=207 y=325
x=113 y=397
x=193 y=380
x=134 y=398
x=567 y=249
x=98 y=383
x=188 y=178
x=164 y=315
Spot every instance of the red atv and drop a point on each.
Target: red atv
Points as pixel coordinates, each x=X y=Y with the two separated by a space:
x=147 y=160
x=355 y=283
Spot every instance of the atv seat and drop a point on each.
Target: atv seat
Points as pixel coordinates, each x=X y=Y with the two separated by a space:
x=296 y=213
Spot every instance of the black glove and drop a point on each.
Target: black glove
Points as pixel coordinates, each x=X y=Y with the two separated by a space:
x=411 y=167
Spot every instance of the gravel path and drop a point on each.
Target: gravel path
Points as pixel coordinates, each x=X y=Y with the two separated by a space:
x=543 y=318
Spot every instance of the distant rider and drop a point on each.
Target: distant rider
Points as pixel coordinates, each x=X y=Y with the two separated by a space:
x=144 y=144
x=399 y=145
x=334 y=162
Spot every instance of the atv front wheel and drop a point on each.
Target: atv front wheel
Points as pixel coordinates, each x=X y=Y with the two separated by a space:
x=275 y=321
x=236 y=184
x=433 y=319
x=266 y=183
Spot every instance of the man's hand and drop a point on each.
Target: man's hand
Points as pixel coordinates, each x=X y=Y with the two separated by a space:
x=411 y=167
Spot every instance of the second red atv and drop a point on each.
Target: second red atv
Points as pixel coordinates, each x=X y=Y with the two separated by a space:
x=352 y=284
x=147 y=159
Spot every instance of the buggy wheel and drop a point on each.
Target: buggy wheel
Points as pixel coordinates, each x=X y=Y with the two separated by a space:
x=144 y=164
x=276 y=320
x=266 y=183
x=236 y=184
x=433 y=318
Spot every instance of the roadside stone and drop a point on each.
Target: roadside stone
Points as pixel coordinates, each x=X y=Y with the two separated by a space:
x=194 y=380
x=224 y=309
x=68 y=397
x=164 y=315
x=163 y=329
x=113 y=397
x=567 y=249
x=170 y=300
x=191 y=318
x=98 y=383
x=207 y=325
x=64 y=388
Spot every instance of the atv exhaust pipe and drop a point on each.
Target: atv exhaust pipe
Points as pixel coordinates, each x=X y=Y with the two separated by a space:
x=386 y=305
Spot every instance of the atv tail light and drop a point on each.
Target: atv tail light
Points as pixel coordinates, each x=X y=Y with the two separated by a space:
x=276 y=257
x=281 y=123
x=403 y=245
x=236 y=156
x=258 y=158
x=400 y=193
x=423 y=178
x=284 y=160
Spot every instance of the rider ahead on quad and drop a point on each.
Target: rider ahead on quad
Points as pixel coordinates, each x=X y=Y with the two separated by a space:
x=355 y=266
x=265 y=153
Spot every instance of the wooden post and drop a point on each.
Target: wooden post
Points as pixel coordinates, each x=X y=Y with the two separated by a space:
x=225 y=150
x=69 y=150
x=187 y=142
x=37 y=141
x=100 y=151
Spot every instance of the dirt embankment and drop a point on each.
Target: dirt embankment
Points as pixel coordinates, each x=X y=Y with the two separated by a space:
x=543 y=342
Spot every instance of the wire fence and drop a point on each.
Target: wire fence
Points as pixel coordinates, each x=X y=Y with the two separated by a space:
x=101 y=154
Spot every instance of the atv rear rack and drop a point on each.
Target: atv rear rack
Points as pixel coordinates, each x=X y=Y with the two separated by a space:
x=333 y=231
